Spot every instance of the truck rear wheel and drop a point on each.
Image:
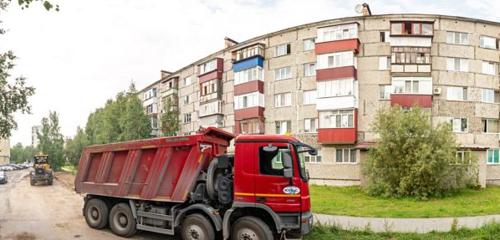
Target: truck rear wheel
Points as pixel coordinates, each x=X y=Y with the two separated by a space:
x=197 y=227
x=251 y=228
x=121 y=220
x=96 y=213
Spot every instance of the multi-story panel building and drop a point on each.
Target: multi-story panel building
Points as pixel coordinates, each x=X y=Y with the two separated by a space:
x=325 y=81
x=4 y=151
x=34 y=135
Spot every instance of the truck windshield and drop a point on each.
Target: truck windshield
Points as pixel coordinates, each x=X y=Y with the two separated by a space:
x=301 y=149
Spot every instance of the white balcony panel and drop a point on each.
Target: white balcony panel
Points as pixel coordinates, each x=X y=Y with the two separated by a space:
x=333 y=103
x=411 y=41
x=210 y=108
x=149 y=101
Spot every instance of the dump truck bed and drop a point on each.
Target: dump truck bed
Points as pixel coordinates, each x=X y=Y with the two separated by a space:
x=159 y=169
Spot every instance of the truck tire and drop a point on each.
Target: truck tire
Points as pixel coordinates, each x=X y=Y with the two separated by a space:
x=197 y=227
x=251 y=228
x=122 y=221
x=96 y=213
x=50 y=181
x=212 y=173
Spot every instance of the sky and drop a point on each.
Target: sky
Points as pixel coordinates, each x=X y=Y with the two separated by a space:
x=90 y=50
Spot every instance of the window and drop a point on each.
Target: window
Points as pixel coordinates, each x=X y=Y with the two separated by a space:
x=459 y=125
x=312 y=159
x=310 y=125
x=283 y=73
x=488 y=42
x=339 y=32
x=463 y=157
x=208 y=66
x=456 y=93
x=411 y=28
x=334 y=88
x=247 y=75
x=154 y=123
x=186 y=99
x=345 y=155
x=283 y=49
x=412 y=85
x=457 y=38
x=151 y=109
x=332 y=60
x=383 y=63
x=490 y=125
x=308 y=44
x=283 y=100
x=151 y=93
x=382 y=37
x=309 y=69
x=187 y=81
x=493 y=156
x=488 y=95
x=283 y=127
x=336 y=119
x=249 y=52
x=253 y=99
x=411 y=55
x=251 y=126
x=309 y=97
x=208 y=87
x=271 y=163
x=385 y=92
x=187 y=117
x=457 y=64
x=489 y=68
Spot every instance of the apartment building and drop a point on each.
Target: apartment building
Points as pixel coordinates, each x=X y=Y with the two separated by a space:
x=4 y=151
x=323 y=82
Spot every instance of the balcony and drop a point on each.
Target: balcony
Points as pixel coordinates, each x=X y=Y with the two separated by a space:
x=209 y=68
x=247 y=113
x=248 y=87
x=337 y=135
x=248 y=52
x=248 y=63
x=211 y=108
x=168 y=92
x=411 y=100
x=333 y=103
x=418 y=69
x=336 y=73
x=337 y=46
x=249 y=126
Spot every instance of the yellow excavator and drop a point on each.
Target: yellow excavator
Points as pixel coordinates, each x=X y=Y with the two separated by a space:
x=41 y=170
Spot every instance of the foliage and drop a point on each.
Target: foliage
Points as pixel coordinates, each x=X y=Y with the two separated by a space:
x=73 y=148
x=20 y=153
x=51 y=140
x=489 y=231
x=26 y=3
x=353 y=201
x=170 y=124
x=412 y=158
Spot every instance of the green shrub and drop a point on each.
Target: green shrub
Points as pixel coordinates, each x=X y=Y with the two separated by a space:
x=412 y=158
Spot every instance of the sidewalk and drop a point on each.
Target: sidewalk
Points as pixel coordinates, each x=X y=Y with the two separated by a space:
x=417 y=225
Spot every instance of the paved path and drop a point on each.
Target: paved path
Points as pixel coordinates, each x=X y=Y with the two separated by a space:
x=418 y=225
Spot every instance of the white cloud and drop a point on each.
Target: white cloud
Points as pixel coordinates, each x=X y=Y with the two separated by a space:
x=84 y=54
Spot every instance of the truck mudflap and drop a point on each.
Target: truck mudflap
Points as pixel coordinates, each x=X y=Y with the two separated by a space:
x=307 y=222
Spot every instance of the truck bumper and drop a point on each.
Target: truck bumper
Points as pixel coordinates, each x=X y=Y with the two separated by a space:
x=43 y=177
x=306 y=223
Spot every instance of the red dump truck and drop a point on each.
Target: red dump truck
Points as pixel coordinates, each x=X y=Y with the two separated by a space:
x=191 y=186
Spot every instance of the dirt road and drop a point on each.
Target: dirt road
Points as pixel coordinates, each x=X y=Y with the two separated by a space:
x=46 y=212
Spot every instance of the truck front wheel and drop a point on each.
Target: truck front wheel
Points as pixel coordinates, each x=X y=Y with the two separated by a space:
x=251 y=228
x=96 y=213
x=121 y=220
x=197 y=227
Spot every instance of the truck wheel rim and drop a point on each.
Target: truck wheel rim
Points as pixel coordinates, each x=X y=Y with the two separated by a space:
x=195 y=233
x=247 y=234
x=94 y=213
x=121 y=221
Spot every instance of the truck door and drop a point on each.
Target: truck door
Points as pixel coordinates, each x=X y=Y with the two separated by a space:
x=271 y=186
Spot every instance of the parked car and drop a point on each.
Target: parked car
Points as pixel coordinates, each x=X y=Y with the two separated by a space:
x=3 y=177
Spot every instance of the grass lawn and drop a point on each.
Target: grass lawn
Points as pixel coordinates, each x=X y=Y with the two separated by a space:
x=352 y=201
x=69 y=168
x=491 y=231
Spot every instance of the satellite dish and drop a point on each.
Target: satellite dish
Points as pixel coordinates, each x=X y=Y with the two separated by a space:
x=359 y=8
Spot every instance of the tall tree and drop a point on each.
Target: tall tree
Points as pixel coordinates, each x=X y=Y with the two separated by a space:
x=14 y=95
x=20 y=153
x=51 y=140
x=73 y=148
x=170 y=124
x=134 y=122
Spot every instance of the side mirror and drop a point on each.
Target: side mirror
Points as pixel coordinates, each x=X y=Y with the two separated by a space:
x=287 y=164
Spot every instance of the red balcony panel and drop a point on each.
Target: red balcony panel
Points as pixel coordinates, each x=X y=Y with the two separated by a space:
x=337 y=135
x=216 y=74
x=248 y=87
x=336 y=73
x=411 y=100
x=337 y=46
x=246 y=113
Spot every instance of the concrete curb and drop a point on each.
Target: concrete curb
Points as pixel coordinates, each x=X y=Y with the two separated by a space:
x=413 y=225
